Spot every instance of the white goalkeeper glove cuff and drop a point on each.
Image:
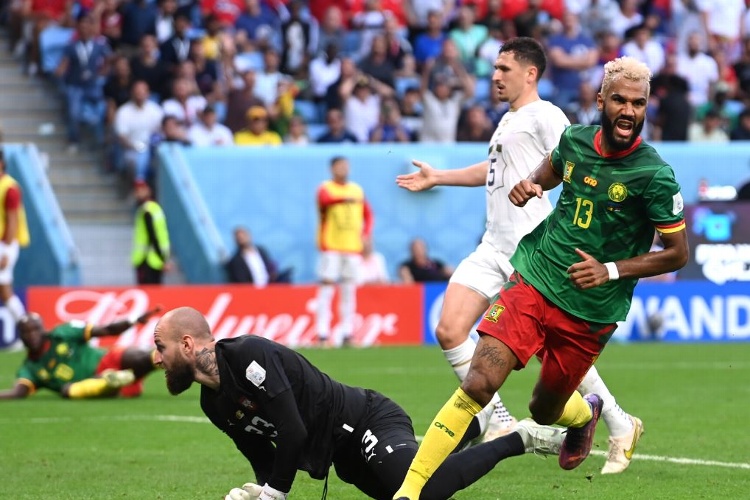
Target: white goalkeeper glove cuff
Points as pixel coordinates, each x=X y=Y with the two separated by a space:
x=269 y=493
x=249 y=491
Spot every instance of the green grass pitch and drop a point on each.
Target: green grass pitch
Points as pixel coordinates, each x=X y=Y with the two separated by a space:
x=693 y=400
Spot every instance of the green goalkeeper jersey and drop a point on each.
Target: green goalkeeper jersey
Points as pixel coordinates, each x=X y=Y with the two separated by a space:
x=68 y=358
x=609 y=208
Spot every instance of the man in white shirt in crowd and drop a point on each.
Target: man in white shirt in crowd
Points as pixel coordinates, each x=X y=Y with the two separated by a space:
x=372 y=268
x=208 y=132
x=135 y=122
x=184 y=104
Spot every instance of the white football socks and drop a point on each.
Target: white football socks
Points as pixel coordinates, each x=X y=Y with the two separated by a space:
x=618 y=422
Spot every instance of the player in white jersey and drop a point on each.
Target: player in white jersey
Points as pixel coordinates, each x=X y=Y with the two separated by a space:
x=524 y=136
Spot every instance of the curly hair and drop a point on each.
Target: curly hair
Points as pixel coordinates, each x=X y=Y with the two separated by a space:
x=626 y=67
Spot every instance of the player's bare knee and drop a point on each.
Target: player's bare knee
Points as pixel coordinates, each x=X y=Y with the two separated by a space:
x=447 y=335
x=542 y=412
x=479 y=387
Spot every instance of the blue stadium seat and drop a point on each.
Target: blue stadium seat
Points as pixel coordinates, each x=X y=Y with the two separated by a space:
x=52 y=43
x=404 y=83
x=307 y=110
x=482 y=90
x=315 y=130
x=352 y=43
x=546 y=89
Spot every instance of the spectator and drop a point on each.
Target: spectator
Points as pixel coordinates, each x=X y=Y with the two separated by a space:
x=742 y=70
x=674 y=113
x=643 y=47
x=138 y=20
x=729 y=110
x=727 y=76
x=476 y=127
x=448 y=66
x=324 y=71
x=256 y=133
x=107 y=16
x=267 y=81
x=398 y=48
x=348 y=76
x=390 y=128
x=164 y=24
x=151 y=248
x=742 y=131
x=117 y=87
x=297 y=42
x=176 y=49
x=709 y=130
x=628 y=17
x=369 y=23
x=171 y=131
x=225 y=12
x=429 y=44
x=584 y=110
x=700 y=70
x=145 y=67
x=345 y=222
x=82 y=68
x=206 y=73
x=214 y=38
x=411 y=112
x=361 y=107
x=252 y=264
x=38 y=16
x=183 y=105
x=372 y=269
x=723 y=23
x=488 y=50
x=420 y=268
x=135 y=122
x=15 y=235
x=207 y=132
x=297 y=133
x=597 y=16
x=257 y=20
x=331 y=32
x=442 y=104
x=377 y=64
x=468 y=36
x=534 y=21
x=239 y=102
x=418 y=12
x=571 y=53
x=336 y=133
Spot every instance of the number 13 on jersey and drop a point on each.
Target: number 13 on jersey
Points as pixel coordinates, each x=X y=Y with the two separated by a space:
x=584 y=213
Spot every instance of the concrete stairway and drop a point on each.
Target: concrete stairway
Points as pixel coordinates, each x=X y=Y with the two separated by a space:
x=31 y=111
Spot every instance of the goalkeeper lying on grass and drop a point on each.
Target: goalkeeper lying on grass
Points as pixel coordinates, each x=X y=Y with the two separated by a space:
x=285 y=415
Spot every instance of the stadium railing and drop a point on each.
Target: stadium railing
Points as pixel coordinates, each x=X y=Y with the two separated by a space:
x=52 y=258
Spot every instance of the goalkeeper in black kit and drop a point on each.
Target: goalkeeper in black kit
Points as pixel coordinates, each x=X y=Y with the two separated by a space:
x=285 y=415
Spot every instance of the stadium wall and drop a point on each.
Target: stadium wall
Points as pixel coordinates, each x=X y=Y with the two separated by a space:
x=272 y=192
x=386 y=315
x=52 y=257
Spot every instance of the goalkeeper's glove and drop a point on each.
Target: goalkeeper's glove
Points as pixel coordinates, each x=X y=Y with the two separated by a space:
x=268 y=493
x=249 y=491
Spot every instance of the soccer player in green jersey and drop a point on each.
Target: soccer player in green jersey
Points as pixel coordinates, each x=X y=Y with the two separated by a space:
x=575 y=272
x=63 y=361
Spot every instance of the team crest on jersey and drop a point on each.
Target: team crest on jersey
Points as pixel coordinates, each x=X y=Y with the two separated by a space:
x=494 y=313
x=568 y=171
x=255 y=373
x=246 y=403
x=617 y=192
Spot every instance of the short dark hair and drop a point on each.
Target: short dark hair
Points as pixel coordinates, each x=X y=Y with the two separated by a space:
x=526 y=50
x=337 y=159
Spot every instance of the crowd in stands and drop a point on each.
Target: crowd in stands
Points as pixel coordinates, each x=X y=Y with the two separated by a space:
x=269 y=72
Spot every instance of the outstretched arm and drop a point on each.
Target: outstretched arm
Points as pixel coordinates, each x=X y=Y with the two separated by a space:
x=118 y=327
x=19 y=391
x=428 y=177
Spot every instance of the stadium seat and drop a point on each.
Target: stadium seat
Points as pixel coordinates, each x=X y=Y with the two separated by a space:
x=316 y=130
x=404 y=83
x=52 y=43
x=307 y=110
x=546 y=89
x=352 y=43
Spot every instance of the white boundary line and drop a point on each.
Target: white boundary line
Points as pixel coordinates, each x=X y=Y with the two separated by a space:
x=203 y=420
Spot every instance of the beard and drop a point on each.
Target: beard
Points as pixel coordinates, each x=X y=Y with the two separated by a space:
x=179 y=378
x=615 y=143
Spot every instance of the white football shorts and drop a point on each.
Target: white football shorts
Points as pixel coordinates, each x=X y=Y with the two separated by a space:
x=338 y=266
x=6 y=275
x=485 y=271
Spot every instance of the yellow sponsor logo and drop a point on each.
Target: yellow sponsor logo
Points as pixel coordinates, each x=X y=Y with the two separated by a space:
x=445 y=428
x=494 y=313
x=617 y=192
x=590 y=181
x=568 y=170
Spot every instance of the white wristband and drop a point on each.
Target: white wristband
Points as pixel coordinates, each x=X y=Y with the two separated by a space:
x=614 y=274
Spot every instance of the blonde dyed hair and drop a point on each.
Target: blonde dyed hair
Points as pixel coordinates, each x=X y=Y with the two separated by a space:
x=626 y=67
